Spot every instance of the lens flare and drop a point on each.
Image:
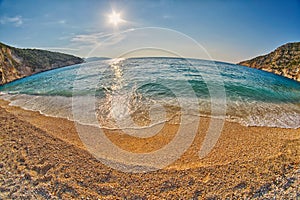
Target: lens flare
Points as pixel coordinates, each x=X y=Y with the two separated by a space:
x=115 y=18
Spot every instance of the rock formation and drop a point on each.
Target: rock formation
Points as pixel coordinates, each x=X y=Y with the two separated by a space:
x=17 y=63
x=285 y=61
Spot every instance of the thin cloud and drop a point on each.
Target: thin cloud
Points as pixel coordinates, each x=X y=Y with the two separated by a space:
x=62 y=21
x=98 y=38
x=167 y=17
x=93 y=38
x=101 y=38
x=16 y=21
x=88 y=42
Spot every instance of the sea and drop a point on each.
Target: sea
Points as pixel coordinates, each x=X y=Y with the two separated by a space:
x=142 y=92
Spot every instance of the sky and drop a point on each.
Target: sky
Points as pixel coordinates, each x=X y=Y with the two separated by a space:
x=224 y=30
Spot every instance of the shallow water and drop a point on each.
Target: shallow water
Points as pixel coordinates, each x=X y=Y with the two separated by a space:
x=149 y=91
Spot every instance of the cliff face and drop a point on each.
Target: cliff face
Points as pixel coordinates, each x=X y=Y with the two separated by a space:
x=16 y=63
x=285 y=61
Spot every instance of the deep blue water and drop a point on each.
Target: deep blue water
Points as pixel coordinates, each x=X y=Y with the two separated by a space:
x=253 y=97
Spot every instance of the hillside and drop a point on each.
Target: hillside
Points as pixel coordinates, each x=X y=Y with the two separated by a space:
x=16 y=63
x=285 y=61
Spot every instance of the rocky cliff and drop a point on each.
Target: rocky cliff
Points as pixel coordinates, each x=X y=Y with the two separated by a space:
x=285 y=61
x=16 y=63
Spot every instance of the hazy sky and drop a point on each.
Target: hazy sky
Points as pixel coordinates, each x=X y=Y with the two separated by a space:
x=227 y=30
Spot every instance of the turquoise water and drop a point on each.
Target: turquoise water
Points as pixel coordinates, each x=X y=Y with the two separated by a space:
x=253 y=97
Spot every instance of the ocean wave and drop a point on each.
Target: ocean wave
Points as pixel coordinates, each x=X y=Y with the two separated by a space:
x=283 y=115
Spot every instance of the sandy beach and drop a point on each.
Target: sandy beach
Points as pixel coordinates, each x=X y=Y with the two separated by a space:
x=43 y=158
x=146 y=100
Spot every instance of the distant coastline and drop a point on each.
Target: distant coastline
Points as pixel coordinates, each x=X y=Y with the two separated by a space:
x=93 y=59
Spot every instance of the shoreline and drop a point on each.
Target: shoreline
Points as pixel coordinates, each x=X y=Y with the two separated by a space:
x=62 y=108
x=69 y=131
x=252 y=157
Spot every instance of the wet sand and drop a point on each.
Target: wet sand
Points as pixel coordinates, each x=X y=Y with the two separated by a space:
x=43 y=157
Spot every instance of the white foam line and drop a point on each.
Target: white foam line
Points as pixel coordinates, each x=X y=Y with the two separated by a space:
x=229 y=118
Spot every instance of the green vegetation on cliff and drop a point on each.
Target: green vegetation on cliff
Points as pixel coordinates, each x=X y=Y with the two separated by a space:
x=16 y=63
x=285 y=61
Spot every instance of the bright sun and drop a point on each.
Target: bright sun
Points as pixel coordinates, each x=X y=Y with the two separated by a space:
x=115 y=18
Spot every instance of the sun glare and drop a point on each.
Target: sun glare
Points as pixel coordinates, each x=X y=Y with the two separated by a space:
x=115 y=18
